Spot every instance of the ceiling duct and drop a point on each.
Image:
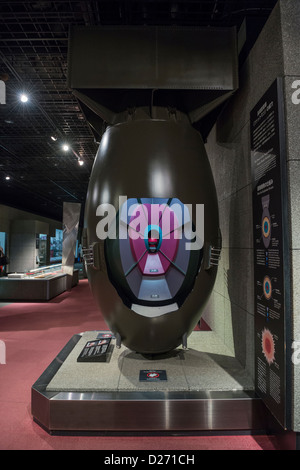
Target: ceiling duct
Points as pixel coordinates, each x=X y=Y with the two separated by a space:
x=113 y=69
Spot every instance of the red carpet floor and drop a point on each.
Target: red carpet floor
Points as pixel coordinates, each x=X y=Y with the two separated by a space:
x=33 y=334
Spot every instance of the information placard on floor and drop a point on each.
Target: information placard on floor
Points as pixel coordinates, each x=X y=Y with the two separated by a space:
x=152 y=375
x=95 y=351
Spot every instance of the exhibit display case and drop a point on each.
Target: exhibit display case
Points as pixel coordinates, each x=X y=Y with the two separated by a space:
x=38 y=284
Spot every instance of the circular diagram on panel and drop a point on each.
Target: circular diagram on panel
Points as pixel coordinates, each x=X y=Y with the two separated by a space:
x=268 y=346
x=267 y=287
x=266 y=227
x=266 y=221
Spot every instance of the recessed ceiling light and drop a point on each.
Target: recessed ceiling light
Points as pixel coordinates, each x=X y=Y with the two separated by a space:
x=65 y=147
x=80 y=162
x=53 y=137
x=7 y=178
x=23 y=98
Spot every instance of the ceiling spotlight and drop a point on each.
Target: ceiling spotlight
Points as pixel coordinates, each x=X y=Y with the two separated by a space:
x=80 y=162
x=24 y=98
x=7 y=178
x=53 y=137
x=65 y=147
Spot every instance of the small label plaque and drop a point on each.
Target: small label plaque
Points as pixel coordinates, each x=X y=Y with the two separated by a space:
x=105 y=334
x=153 y=375
x=95 y=351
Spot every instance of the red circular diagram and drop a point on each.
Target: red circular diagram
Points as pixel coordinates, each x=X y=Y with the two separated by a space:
x=266 y=227
x=268 y=346
x=153 y=375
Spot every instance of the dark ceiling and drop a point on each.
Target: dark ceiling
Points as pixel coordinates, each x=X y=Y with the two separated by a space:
x=33 y=59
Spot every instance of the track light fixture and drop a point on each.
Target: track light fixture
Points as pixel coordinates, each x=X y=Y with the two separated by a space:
x=24 y=98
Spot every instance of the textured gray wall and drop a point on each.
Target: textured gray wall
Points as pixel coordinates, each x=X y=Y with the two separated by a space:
x=293 y=168
x=230 y=311
x=23 y=250
x=290 y=24
x=21 y=228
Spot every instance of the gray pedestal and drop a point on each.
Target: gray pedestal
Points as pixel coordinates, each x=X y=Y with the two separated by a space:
x=206 y=390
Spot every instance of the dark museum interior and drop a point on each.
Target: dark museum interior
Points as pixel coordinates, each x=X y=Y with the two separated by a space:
x=149 y=227
x=34 y=51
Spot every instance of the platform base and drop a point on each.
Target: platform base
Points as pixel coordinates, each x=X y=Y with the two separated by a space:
x=136 y=412
x=144 y=407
